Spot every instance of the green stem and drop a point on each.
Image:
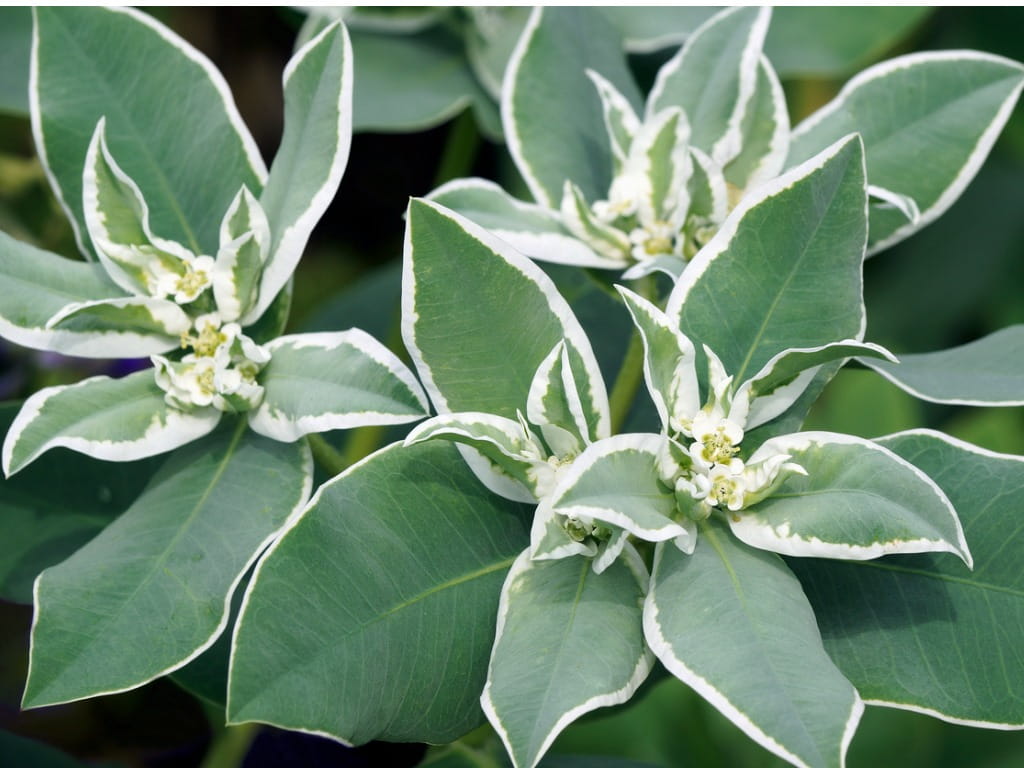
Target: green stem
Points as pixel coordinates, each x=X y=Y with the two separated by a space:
x=459 y=150
x=326 y=455
x=230 y=746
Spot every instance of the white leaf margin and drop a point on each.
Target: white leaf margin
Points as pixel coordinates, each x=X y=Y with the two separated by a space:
x=252 y=152
x=663 y=650
x=635 y=563
x=572 y=331
x=282 y=262
x=258 y=553
x=748 y=529
x=160 y=437
x=270 y=423
x=977 y=155
x=762 y=194
x=979 y=451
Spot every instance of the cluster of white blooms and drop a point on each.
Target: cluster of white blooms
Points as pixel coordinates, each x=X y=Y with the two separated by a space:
x=220 y=370
x=710 y=472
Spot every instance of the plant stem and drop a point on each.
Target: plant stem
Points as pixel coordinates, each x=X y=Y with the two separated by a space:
x=326 y=455
x=230 y=746
x=459 y=149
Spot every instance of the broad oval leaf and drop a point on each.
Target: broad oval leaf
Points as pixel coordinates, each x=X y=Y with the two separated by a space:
x=347 y=627
x=506 y=318
x=133 y=326
x=733 y=624
x=111 y=419
x=946 y=106
x=320 y=381
x=568 y=641
x=39 y=284
x=986 y=372
x=189 y=168
x=153 y=590
x=784 y=270
x=308 y=166
x=551 y=111
x=921 y=632
x=713 y=78
x=858 y=501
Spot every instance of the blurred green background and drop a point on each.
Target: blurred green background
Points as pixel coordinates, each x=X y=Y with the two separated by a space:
x=957 y=280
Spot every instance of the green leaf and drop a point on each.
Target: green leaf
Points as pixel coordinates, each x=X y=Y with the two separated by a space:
x=109 y=419
x=189 y=165
x=835 y=41
x=669 y=357
x=435 y=82
x=764 y=133
x=858 y=501
x=617 y=481
x=55 y=506
x=152 y=591
x=531 y=229
x=733 y=624
x=551 y=111
x=308 y=166
x=554 y=404
x=39 y=284
x=505 y=443
x=320 y=381
x=921 y=632
x=404 y=547
x=988 y=371
x=646 y=29
x=784 y=270
x=18 y=750
x=134 y=326
x=507 y=317
x=490 y=40
x=785 y=377
x=713 y=78
x=896 y=106
x=568 y=641
x=15 y=51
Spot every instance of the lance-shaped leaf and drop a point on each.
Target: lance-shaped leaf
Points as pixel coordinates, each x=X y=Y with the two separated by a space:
x=505 y=443
x=490 y=40
x=660 y=158
x=406 y=546
x=552 y=114
x=778 y=385
x=55 y=506
x=39 y=284
x=733 y=624
x=309 y=163
x=709 y=195
x=134 y=326
x=947 y=107
x=530 y=229
x=554 y=402
x=189 y=168
x=507 y=317
x=117 y=219
x=568 y=641
x=764 y=133
x=620 y=120
x=244 y=215
x=857 y=501
x=235 y=277
x=989 y=371
x=320 y=381
x=610 y=243
x=921 y=632
x=669 y=357
x=784 y=270
x=153 y=589
x=713 y=78
x=110 y=419
x=617 y=481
